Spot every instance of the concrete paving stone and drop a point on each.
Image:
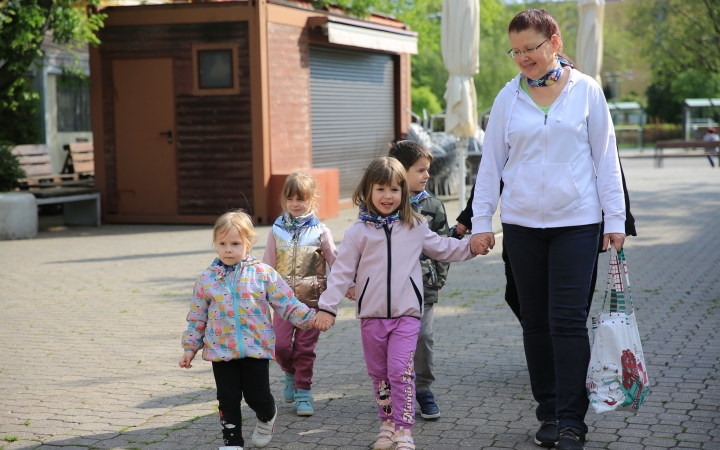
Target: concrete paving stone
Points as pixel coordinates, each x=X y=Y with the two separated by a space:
x=693 y=437
x=689 y=444
x=619 y=445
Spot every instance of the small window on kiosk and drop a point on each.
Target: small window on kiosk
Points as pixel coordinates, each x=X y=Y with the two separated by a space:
x=215 y=69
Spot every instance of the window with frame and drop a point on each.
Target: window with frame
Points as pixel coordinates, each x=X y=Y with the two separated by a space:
x=73 y=104
x=215 y=69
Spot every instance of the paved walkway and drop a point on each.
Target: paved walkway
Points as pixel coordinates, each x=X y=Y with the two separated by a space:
x=92 y=318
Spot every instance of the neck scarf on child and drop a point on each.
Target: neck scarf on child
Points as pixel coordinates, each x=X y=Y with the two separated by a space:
x=299 y=222
x=551 y=77
x=376 y=219
x=415 y=199
x=225 y=269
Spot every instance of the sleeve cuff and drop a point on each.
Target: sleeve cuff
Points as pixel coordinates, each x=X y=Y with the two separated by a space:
x=482 y=225
x=614 y=225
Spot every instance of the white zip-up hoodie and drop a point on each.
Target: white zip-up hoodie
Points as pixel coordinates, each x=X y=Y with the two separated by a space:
x=559 y=169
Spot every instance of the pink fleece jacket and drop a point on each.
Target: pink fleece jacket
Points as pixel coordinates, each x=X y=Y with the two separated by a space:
x=389 y=280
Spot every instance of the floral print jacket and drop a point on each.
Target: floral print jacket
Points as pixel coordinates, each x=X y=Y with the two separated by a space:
x=230 y=315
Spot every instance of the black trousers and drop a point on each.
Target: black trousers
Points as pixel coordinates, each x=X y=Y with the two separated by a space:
x=249 y=377
x=511 y=294
x=552 y=269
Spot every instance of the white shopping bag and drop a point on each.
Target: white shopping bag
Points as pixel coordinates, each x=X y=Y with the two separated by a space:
x=617 y=376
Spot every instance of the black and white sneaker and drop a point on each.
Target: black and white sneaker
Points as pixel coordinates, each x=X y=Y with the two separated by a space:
x=547 y=435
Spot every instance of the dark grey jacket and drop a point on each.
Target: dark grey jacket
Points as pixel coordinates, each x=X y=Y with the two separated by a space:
x=434 y=273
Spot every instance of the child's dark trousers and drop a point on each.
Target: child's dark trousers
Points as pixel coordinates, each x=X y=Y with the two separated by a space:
x=249 y=377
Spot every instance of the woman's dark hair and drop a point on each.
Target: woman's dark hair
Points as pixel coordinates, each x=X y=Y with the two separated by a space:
x=540 y=21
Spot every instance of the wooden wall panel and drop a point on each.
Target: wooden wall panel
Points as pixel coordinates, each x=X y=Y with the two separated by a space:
x=213 y=133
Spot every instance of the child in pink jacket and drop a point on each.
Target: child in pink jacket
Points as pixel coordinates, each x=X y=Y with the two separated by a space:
x=381 y=251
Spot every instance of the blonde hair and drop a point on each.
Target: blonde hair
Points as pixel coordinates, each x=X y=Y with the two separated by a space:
x=384 y=171
x=241 y=222
x=301 y=185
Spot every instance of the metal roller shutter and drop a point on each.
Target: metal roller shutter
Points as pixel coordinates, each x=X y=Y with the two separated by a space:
x=352 y=96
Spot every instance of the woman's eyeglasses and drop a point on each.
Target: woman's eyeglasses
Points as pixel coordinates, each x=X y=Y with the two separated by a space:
x=515 y=53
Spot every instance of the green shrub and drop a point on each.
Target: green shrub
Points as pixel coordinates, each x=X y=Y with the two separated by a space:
x=653 y=132
x=423 y=98
x=10 y=171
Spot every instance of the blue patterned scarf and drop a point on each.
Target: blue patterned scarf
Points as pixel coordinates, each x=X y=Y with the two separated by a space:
x=551 y=77
x=415 y=199
x=377 y=220
x=298 y=222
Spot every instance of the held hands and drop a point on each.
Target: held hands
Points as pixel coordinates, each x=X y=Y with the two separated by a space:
x=460 y=229
x=351 y=294
x=481 y=243
x=617 y=240
x=323 y=321
x=186 y=359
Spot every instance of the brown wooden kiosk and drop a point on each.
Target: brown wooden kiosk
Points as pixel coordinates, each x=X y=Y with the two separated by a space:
x=203 y=107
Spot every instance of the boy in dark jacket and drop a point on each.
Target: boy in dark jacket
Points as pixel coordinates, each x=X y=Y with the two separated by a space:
x=417 y=159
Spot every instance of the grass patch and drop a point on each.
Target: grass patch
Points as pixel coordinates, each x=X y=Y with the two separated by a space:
x=10 y=438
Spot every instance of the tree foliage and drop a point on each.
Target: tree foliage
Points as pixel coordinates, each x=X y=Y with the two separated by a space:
x=19 y=121
x=681 y=42
x=23 y=24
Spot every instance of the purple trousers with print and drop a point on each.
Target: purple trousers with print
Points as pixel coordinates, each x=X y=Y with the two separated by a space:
x=295 y=350
x=389 y=348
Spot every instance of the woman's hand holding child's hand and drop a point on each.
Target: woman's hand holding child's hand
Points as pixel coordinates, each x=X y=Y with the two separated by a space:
x=323 y=321
x=481 y=243
x=186 y=359
x=351 y=293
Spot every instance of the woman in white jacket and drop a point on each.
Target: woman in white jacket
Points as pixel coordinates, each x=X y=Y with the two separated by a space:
x=550 y=139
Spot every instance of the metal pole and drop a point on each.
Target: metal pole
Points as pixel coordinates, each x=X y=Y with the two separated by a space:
x=462 y=146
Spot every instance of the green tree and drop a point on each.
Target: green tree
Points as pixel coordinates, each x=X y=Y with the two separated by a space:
x=681 y=42
x=23 y=26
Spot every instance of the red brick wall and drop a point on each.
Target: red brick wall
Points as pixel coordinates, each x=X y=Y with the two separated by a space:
x=289 y=83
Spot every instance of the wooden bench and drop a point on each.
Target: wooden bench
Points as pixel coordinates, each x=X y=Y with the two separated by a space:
x=81 y=201
x=80 y=159
x=707 y=150
x=35 y=161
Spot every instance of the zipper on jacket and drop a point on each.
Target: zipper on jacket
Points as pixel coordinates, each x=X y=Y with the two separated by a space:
x=238 y=331
x=388 y=236
x=362 y=295
x=417 y=294
x=542 y=182
x=294 y=258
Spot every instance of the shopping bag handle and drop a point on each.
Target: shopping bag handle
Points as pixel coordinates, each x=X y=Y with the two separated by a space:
x=615 y=284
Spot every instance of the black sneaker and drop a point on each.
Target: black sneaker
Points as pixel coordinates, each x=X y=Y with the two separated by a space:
x=428 y=408
x=571 y=438
x=547 y=435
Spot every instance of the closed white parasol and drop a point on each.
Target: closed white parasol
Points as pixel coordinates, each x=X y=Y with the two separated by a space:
x=589 y=48
x=460 y=47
